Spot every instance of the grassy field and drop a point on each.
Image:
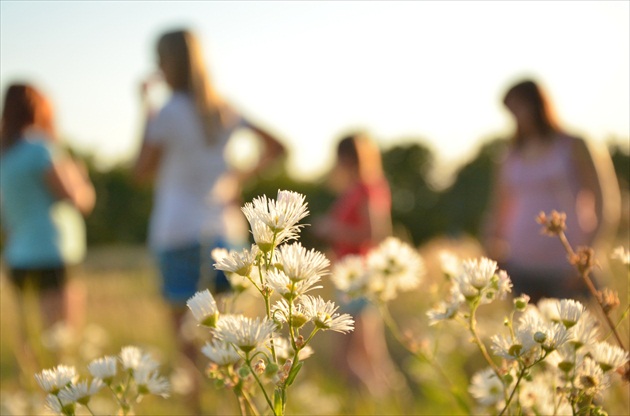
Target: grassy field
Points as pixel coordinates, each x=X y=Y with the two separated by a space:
x=117 y=289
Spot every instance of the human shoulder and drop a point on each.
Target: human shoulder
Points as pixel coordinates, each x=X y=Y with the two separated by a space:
x=179 y=102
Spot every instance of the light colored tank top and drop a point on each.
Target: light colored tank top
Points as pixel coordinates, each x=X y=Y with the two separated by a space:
x=546 y=183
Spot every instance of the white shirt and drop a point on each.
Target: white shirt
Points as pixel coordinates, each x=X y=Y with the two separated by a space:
x=184 y=210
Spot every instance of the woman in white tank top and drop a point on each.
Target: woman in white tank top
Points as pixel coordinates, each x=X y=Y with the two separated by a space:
x=546 y=169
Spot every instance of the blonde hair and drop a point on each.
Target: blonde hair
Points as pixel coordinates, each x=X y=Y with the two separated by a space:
x=180 y=52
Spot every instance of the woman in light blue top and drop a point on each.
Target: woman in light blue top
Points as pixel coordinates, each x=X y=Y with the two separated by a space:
x=43 y=194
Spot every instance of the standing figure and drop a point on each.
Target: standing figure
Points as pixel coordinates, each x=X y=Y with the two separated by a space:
x=44 y=194
x=358 y=221
x=182 y=154
x=547 y=169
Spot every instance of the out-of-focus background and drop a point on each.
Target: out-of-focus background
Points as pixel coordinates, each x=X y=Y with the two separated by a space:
x=424 y=78
x=428 y=72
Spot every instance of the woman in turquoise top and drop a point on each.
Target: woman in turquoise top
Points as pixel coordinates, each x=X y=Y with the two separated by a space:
x=43 y=194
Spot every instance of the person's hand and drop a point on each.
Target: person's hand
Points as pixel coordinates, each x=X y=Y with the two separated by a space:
x=145 y=87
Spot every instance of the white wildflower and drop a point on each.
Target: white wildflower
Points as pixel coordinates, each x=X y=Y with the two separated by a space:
x=301 y=264
x=204 y=308
x=566 y=358
x=444 y=311
x=150 y=382
x=264 y=237
x=220 y=352
x=323 y=314
x=53 y=380
x=349 y=275
x=549 y=308
x=550 y=335
x=486 y=387
x=284 y=286
x=586 y=331
x=621 y=254
x=134 y=360
x=245 y=333
x=81 y=392
x=609 y=357
x=479 y=272
x=59 y=405
x=280 y=216
x=293 y=314
x=104 y=368
x=450 y=264
x=590 y=378
x=503 y=284
x=394 y=266
x=239 y=262
x=515 y=348
x=570 y=312
x=537 y=397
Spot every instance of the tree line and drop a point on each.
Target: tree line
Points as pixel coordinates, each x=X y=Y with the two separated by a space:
x=420 y=210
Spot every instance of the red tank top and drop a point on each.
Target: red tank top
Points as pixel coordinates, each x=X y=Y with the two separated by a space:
x=348 y=210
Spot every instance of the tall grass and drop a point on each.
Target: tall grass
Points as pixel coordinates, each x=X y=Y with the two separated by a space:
x=122 y=306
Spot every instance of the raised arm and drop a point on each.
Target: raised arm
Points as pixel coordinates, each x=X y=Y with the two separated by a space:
x=69 y=180
x=272 y=149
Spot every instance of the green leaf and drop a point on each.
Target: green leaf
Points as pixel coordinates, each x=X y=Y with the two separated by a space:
x=293 y=373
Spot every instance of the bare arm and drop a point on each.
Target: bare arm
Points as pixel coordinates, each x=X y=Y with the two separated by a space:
x=273 y=149
x=69 y=180
x=598 y=201
x=147 y=163
x=496 y=218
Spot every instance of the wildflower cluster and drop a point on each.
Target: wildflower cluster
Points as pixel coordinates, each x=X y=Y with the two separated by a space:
x=551 y=359
x=129 y=376
x=248 y=353
x=392 y=267
x=475 y=282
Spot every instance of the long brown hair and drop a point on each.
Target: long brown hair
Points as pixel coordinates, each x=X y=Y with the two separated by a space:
x=181 y=51
x=24 y=107
x=362 y=152
x=531 y=94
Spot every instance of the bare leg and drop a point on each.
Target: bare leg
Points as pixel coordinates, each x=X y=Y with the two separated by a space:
x=188 y=358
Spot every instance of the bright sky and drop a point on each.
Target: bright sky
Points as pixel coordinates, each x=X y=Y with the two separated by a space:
x=309 y=71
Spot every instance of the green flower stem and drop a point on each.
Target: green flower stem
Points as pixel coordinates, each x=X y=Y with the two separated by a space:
x=518 y=382
x=238 y=392
x=89 y=410
x=393 y=327
x=250 y=404
x=123 y=405
x=472 y=325
x=260 y=384
x=592 y=289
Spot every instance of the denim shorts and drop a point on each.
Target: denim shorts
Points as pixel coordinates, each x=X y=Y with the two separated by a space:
x=185 y=270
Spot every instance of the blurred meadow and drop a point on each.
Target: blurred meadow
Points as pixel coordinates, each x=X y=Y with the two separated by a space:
x=118 y=291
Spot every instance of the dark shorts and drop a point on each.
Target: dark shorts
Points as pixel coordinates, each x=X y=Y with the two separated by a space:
x=188 y=269
x=39 y=279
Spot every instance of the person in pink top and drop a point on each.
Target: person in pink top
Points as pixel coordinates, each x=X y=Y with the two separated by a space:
x=359 y=220
x=547 y=169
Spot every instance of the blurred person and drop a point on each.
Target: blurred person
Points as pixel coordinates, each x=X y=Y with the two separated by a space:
x=182 y=154
x=44 y=195
x=547 y=169
x=358 y=221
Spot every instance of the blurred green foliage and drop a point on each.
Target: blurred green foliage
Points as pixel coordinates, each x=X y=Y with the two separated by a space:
x=420 y=210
